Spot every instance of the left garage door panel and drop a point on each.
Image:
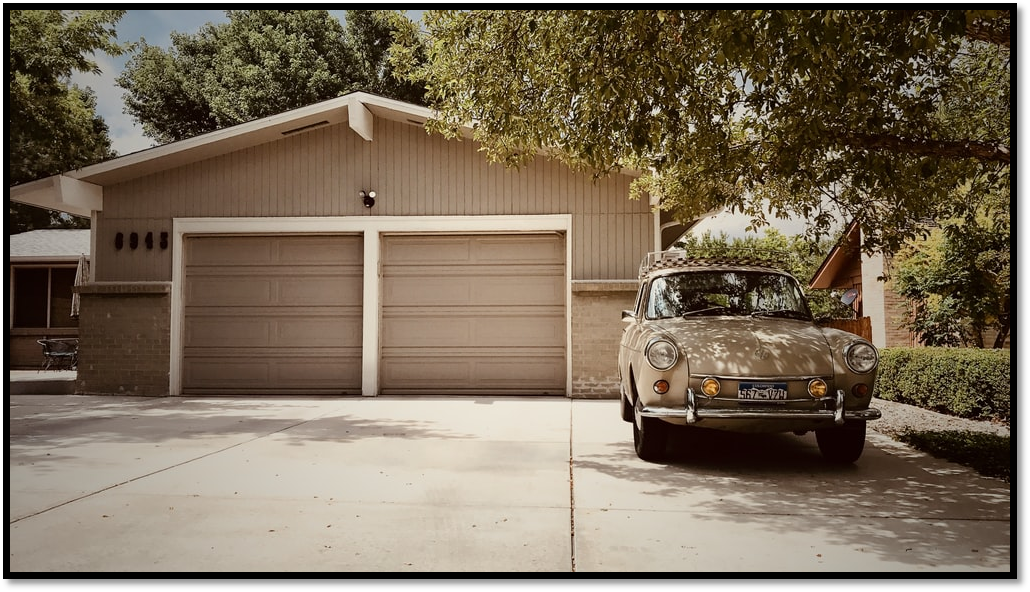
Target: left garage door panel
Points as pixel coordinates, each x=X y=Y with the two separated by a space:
x=272 y=315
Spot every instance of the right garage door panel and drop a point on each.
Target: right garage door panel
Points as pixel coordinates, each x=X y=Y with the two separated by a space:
x=473 y=314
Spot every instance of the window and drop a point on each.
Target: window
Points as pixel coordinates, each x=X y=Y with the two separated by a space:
x=43 y=297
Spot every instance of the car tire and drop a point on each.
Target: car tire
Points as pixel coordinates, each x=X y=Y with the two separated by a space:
x=842 y=444
x=650 y=439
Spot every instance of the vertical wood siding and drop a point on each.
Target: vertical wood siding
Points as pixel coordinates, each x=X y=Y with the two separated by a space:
x=319 y=173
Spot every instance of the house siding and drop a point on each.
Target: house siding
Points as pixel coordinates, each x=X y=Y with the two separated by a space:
x=320 y=172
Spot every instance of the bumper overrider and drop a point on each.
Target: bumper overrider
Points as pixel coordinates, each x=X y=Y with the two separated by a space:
x=694 y=415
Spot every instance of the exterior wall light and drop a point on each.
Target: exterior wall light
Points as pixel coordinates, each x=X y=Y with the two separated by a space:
x=368 y=198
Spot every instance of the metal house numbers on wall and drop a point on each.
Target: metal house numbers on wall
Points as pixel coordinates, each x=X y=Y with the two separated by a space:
x=148 y=241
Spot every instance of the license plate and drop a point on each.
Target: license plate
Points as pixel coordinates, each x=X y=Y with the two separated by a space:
x=762 y=391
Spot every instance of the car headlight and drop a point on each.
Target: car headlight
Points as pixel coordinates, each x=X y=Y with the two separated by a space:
x=662 y=354
x=861 y=357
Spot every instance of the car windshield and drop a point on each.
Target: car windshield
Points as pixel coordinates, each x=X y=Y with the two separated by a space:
x=739 y=293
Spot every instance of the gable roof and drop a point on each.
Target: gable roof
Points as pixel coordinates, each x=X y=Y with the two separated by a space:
x=54 y=244
x=840 y=257
x=80 y=191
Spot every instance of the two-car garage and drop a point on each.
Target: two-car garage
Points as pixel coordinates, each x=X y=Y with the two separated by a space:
x=481 y=313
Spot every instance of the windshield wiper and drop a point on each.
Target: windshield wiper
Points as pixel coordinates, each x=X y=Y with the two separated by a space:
x=781 y=313
x=699 y=311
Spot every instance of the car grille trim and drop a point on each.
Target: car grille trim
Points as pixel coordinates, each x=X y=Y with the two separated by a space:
x=693 y=415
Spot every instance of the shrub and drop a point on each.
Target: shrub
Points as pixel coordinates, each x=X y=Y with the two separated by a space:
x=964 y=382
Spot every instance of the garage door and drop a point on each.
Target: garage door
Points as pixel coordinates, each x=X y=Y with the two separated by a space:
x=272 y=315
x=473 y=314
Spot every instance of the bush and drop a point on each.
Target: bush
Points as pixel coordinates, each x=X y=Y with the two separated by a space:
x=988 y=454
x=964 y=382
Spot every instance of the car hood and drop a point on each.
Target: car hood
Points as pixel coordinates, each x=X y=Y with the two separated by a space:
x=752 y=347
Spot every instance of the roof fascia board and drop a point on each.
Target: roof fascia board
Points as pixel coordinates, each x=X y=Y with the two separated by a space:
x=210 y=139
x=836 y=259
x=65 y=260
x=332 y=111
x=61 y=193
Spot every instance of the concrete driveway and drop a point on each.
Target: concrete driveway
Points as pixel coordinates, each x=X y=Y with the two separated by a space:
x=467 y=484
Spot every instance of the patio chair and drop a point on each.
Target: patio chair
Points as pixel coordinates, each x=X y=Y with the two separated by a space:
x=59 y=354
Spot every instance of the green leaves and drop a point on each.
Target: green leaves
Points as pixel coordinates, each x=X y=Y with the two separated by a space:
x=260 y=63
x=864 y=111
x=958 y=281
x=53 y=124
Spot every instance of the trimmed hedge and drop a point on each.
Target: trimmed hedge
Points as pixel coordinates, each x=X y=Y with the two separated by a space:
x=964 y=382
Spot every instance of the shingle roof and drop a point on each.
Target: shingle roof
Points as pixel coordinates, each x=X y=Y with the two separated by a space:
x=53 y=244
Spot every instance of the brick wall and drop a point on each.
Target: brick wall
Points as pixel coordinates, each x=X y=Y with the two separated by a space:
x=124 y=339
x=897 y=311
x=596 y=330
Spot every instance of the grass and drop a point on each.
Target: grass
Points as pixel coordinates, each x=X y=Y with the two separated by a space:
x=989 y=454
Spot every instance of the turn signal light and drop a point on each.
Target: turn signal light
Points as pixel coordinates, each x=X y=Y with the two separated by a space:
x=817 y=388
x=710 y=387
x=661 y=387
x=860 y=390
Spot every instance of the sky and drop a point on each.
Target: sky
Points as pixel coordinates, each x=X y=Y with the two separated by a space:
x=155 y=27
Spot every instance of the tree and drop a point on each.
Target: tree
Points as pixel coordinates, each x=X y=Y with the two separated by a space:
x=260 y=63
x=821 y=114
x=958 y=280
x=370 y=33
x=52 y=123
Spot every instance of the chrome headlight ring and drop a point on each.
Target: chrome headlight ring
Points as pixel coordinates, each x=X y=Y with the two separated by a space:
x=861 y=357
x=661 y=353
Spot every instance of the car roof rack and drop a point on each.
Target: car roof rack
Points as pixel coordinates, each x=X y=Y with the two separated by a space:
x=770 y=258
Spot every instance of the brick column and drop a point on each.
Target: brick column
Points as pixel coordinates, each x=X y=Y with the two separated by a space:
x=596 y=330
x=124 y=338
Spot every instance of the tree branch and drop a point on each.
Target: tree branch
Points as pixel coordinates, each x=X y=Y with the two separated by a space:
x=983 y=151
x=1000 y=34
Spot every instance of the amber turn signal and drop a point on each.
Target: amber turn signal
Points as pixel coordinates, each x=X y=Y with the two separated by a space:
x=661 y=387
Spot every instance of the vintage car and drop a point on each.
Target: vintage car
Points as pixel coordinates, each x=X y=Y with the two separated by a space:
x=730 y=344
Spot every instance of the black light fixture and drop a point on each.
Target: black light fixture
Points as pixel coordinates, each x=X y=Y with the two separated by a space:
x=368 y=198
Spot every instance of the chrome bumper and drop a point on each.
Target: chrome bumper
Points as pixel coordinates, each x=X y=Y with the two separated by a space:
x=693 y=415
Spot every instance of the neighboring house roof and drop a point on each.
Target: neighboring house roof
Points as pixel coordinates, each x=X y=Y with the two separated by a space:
x=841 y=257
x=56 y=244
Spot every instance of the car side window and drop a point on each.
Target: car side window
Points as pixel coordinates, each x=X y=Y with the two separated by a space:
x=661 y=302
x=638 y=308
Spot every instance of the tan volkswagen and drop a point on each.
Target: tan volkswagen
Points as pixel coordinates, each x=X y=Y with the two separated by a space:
x=730 y=344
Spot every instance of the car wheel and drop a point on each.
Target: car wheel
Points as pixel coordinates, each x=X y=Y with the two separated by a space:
x=650 y=436
x=842 y=444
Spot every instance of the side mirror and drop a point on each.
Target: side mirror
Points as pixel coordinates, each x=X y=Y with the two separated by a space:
x=628 y=315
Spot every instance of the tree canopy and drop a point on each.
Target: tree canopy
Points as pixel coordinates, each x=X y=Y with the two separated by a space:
x=958 y=279
x=829 y=115
x=52 y=123
x=260 y=63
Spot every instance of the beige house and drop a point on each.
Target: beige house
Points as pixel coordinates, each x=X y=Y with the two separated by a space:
x=256 y=260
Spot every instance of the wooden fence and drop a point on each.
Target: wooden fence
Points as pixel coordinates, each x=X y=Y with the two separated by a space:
x=861 y=326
